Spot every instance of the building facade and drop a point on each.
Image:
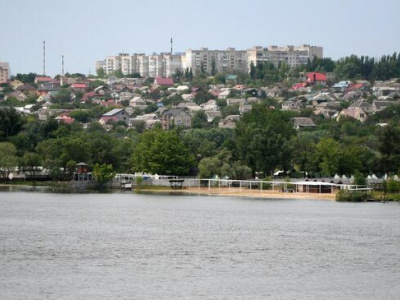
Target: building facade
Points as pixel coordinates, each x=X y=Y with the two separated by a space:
x=208 y=61
x=4 y=72
x=293 y=56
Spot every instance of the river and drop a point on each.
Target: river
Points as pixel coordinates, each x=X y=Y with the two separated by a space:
x=153 y=246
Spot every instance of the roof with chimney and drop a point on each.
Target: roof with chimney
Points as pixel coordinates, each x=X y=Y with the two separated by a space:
x=315 y=76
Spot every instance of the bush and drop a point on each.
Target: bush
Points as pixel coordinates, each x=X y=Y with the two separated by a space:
x=392 y=186
x=351 y=196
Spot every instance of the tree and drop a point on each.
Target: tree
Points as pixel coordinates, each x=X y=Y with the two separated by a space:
x=102 y=174
x=213 y=67
x=80 y=115
x=199 y=120
x=327 y=153
x=389 y=147
x=8 y=158
x=262 y=139
x=11 y=122
x=162 y=152
x=209 y=167
x=31 y=162
x=101 y=73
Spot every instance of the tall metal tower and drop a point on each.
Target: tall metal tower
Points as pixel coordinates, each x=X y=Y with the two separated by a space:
x=171 y=46
x=44 y=58
x=62 y=70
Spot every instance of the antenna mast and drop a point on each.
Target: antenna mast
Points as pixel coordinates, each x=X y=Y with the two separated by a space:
x=44 y=58
x=62 y=70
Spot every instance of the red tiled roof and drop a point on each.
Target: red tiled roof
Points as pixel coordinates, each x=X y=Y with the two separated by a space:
x=298 y=86
x=79 y=85
x=65 y=119
x=43 y=79
x=315 y=76
x=163 y=81
x=355 y=86
x=106 y=119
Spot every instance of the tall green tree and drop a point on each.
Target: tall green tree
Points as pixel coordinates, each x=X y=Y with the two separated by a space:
x=327 y=154
x=162 y=152
x=102 y=174
x=11 y=122
x=8 y=158
x=389 y=148
x=262 y=140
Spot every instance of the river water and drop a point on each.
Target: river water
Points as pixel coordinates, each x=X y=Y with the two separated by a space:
x=151 y=246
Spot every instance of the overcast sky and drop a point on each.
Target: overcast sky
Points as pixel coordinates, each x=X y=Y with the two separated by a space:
x=85 y=31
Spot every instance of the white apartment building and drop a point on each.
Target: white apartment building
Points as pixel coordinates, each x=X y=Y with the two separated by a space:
x=219 y=60
x=165 y=64
x=4 y=72
x=156 y=65
x=293 y=56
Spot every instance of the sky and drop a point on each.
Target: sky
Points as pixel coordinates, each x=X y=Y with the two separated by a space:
x=85 y=31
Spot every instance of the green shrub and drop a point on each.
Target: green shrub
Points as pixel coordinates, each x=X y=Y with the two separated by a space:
x=351 y=196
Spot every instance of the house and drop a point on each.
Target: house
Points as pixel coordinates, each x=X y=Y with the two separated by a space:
x=224 y=93
x=210 y=105
x=292 y=105
x=42 y=79
x=364 y=105
x=115 y=115
x=356 y=113
x=244 y=108
x=231 y=79
x=316 y=78
x=16 y=84
x=188 y=97
x=48 y=88
x=229 y=122
x=379 y=105
x=27 y=89
x=253 y=100
x=301 y=122
x=136 y=102
x=149 y=120
x=192 y=107
x=352 y=95
x=356 y=87
x=299 y=86
x=182 y=88
x=235 y=101
x=17 y=95
x=175 y=117
x=163 y=81
x=327 y=109
x=79 y=87
x=64 y=119
x=340 y=87
x=211 y=115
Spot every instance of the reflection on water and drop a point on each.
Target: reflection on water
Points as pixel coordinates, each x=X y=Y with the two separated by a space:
x=151 y=246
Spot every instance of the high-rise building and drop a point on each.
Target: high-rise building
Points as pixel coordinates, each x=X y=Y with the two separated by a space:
x=293 y=56
x=208 y=61
x=4 y=72
x=215 y=61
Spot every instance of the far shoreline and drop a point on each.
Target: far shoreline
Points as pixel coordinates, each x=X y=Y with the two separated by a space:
x=237 y=192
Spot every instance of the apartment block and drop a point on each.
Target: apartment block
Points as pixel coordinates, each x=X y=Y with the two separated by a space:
x=207 y=61
x=293 y=56
x=4 y=72
x=216 y=60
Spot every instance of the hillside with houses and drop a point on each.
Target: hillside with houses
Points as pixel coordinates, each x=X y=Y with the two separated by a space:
x=228 y=125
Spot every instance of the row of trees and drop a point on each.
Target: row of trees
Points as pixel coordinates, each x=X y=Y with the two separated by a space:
x=263 y=142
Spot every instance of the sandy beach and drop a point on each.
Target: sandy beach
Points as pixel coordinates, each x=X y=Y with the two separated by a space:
x=246 y=193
